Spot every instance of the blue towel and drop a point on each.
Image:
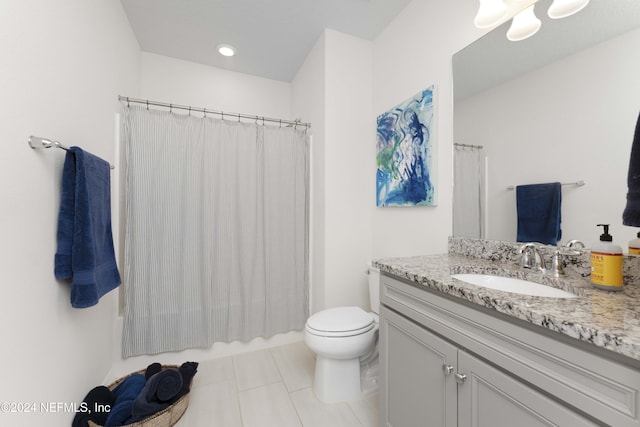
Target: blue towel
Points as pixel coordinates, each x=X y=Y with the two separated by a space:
x=631 y=213
x=157 y=394
x=85 y=251
x=539 y=213
x=125 y=394
x=97 y=402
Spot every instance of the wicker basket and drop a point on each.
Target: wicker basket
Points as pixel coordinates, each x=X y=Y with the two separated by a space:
x=165 y=418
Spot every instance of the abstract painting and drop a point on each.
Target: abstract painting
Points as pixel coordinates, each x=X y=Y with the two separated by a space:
x=405 y=144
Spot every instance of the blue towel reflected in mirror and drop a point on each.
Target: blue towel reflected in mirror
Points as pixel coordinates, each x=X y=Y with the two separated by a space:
x=539 y=215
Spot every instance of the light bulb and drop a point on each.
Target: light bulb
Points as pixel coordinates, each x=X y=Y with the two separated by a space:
x=524 y=25
x=226 y=50
x=563 y=8
x=490 y=13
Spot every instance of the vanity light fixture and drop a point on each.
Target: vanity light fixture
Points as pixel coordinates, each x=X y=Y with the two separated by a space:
x=525 y=23
x=563 y=8
x=226 y=50
x=490 y=13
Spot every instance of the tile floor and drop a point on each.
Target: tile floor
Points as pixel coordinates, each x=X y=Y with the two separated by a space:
x=269 y=388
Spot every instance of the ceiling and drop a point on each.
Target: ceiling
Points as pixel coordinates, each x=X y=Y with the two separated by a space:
x=272 y=37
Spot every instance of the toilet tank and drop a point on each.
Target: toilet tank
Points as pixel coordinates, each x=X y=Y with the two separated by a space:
x=374 y=289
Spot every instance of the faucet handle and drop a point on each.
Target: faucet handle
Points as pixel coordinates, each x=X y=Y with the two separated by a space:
x=556 y=269
x=575 y=244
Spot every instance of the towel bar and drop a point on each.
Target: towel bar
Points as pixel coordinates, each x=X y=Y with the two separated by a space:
x=39 y=143
x=577 y=184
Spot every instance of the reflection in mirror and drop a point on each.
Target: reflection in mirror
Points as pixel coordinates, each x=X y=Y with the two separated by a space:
x=560 y=106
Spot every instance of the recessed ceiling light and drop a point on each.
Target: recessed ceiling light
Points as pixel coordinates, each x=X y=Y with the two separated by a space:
x=226 y=50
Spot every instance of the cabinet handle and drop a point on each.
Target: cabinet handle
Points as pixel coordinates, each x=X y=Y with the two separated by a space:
x=448 y=369
x=460 y=378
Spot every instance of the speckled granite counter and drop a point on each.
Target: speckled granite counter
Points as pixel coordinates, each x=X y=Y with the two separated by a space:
x=610 y=320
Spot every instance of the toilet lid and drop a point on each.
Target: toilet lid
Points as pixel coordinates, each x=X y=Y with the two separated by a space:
x=341 y=320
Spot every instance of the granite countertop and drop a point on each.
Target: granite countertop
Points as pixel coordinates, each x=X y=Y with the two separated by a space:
x=610 y=320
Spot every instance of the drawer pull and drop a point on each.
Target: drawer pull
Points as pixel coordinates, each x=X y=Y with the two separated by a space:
x=460 y=378
x=448 y=369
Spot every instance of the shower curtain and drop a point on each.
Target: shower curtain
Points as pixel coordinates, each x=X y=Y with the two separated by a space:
x=468 y=191
x=216 y=242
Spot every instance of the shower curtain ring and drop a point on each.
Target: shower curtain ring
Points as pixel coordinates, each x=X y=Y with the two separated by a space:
x=170 y=108
x=189 y=111
x=147 y=105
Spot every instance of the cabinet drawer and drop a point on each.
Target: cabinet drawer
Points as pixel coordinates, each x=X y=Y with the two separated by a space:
x=600 y=387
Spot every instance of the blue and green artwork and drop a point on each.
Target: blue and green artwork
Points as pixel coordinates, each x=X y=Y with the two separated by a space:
x=405 y=153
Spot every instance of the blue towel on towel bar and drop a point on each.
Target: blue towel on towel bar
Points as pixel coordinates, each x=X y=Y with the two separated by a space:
x=539 y=213
x=85 y=251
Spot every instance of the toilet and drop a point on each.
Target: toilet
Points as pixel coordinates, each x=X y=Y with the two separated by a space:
x=345 y=340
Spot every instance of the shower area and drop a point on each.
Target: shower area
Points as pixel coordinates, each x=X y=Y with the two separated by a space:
x=469 y=192
x=217 y=227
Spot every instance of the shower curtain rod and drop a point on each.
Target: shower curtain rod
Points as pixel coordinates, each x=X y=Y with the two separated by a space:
x=479 y=147
x=206 y=111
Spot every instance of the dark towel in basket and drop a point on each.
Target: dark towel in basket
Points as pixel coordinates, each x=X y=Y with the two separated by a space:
x=125 y=394
x=95 y=407
x=187 y=370
x=157 y=394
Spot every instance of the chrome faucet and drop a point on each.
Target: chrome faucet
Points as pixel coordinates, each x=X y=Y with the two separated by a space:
x=531 y=257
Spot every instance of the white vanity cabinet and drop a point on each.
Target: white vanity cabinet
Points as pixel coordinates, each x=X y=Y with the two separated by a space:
x=416 y=390
x=444 y=363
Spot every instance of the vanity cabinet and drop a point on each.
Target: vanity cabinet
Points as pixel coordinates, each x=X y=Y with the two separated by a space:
x=416 y=392
x=444 y=363
x=430 y=382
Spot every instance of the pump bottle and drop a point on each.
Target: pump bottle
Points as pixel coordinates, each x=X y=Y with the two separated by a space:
x=606 y=262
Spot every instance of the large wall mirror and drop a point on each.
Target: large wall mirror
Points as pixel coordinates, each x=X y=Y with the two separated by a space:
x=560 y=106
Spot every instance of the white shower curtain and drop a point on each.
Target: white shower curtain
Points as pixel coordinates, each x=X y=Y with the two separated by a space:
x=468 y=192
x=217 y=231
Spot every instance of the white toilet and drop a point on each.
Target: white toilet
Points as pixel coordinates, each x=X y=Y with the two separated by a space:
x=342 y=338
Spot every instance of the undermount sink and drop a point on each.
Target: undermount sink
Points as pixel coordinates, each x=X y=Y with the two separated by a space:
x=516 y=286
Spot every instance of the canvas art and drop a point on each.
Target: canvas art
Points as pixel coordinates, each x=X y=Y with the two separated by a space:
x=405 y=144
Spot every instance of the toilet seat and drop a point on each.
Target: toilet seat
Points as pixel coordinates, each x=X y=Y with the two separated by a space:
x=340 y=322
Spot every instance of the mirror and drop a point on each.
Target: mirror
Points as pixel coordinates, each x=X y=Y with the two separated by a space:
x=559 y=106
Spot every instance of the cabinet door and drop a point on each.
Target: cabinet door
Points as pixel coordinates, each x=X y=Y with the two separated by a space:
x=417 y=388
x=490 y=398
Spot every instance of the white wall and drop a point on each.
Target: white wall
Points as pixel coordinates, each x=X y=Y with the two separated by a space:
x=181 y=82
x=413 y=53
x=308 y=100
x=572 y=120
x=349 y=172
x=333 y=90
x=63 y=65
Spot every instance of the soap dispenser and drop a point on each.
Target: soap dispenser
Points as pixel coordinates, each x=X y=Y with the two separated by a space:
x=606 y=262
x=634 y=245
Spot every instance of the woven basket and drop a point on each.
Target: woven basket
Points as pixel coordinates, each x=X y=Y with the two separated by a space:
x=166 y=418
